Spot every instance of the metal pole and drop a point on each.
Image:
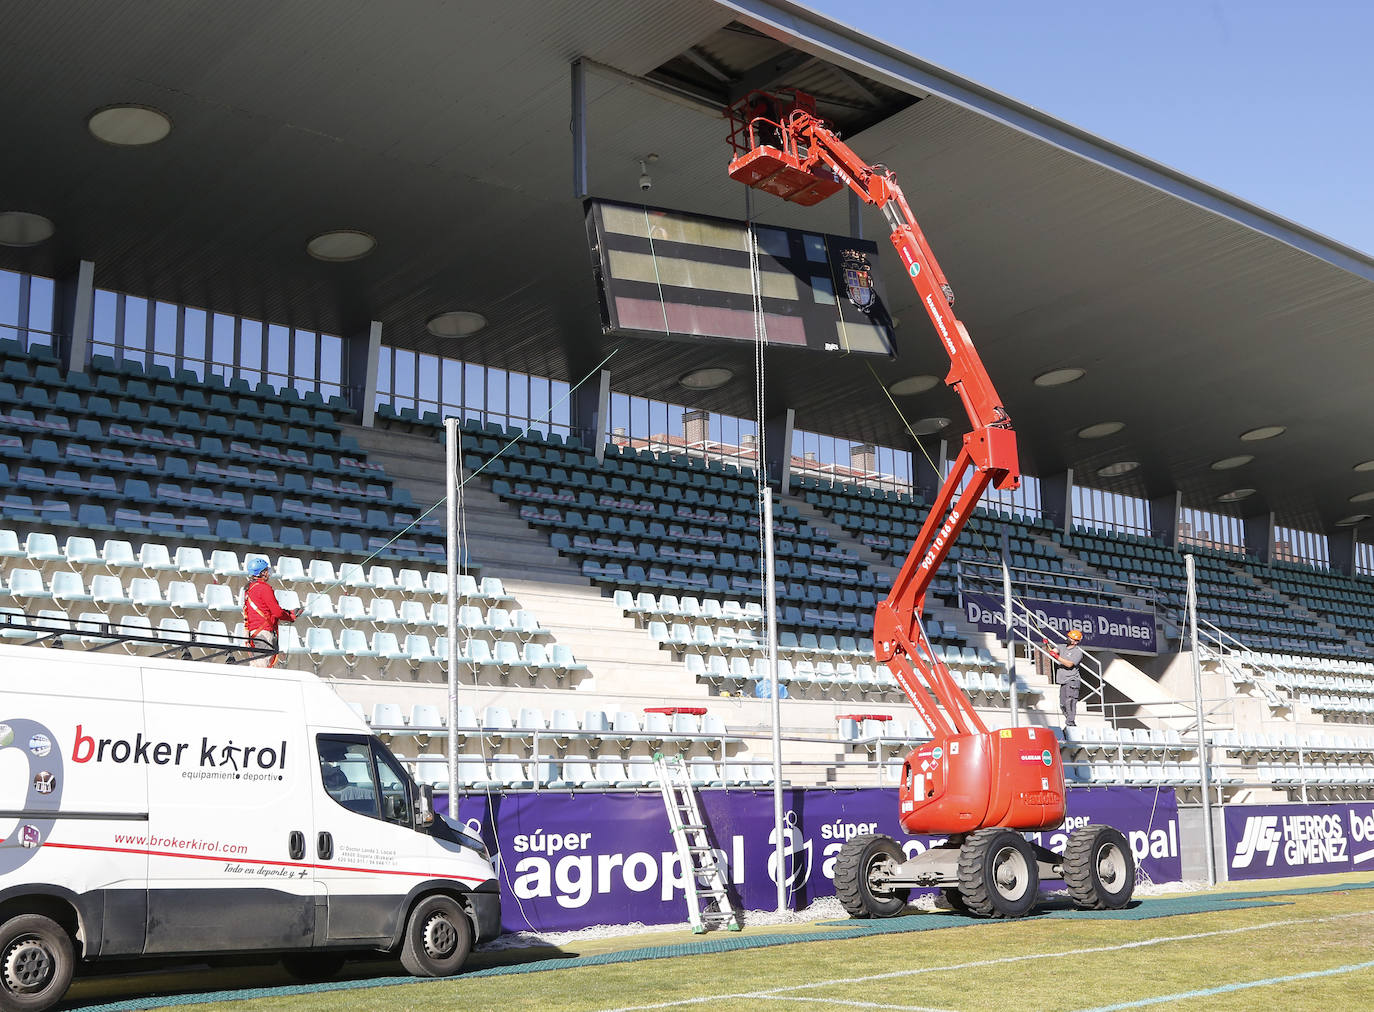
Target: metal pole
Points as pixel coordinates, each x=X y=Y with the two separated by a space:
x=1203 y=760
x=1006 y=611
x=770 y=607
x=451 y=438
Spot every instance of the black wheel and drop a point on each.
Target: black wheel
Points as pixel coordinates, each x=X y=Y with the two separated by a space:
x=955 y=899
x=438 y=938
x=36 y=963
x=864 y=862
x=998 y=876
x=1099 y=868
x=313 y=967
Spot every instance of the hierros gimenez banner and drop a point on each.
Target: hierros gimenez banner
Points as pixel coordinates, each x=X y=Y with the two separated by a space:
x=1102 y=628
x=568 y=861
x=1269 y=841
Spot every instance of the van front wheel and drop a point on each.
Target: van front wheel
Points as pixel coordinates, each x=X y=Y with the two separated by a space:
x=438 y=938
x=36 y=963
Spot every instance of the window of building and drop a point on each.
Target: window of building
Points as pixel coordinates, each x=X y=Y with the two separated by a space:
x=130 y=329
x=1111 y=511
x=1211 y=530
x=430 y=384
x=1293 y=545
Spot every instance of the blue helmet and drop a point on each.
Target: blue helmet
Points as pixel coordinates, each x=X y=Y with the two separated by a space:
x=258 y=567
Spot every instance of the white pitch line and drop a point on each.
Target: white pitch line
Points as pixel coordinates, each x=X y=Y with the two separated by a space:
x=975 y=964
x=1245 y=985
x=851 y=1003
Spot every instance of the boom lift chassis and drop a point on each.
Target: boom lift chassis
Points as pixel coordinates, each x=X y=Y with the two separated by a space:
x=977 y=788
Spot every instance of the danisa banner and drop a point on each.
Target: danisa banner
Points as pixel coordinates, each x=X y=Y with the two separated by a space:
x=572 y=861
x=1103 y=628
x=1269 y=841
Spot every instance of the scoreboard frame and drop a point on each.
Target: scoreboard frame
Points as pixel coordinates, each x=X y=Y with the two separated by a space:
x=674 y=275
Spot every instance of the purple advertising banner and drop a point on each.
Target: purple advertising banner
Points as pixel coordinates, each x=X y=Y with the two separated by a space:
x=570 y=861
x=1103 y=628
x=1271 y=841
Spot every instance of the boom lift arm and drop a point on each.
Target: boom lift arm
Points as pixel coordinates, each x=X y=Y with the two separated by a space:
x=978 y=787
x=795 y=155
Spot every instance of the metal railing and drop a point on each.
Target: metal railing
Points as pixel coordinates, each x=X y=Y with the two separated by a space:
x=1242 y=664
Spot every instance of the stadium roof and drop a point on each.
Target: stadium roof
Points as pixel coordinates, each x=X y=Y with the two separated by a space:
x=443 y=130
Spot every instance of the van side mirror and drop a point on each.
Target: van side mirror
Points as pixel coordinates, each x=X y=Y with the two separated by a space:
x=424 y=811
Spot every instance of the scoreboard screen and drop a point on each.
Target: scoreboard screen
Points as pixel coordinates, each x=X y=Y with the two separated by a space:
x=669 y=274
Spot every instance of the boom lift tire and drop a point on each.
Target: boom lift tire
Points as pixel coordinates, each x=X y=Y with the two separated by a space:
x=37 y=961
x=955 y=899
x=861 y=859
x=998 y=874
x=1099 y=868
x=438 y=938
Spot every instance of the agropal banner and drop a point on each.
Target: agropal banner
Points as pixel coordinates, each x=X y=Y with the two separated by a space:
x=570 y=861
x=1102 y=628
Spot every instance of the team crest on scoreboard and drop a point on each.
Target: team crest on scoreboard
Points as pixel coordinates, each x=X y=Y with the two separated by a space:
x=858 y=278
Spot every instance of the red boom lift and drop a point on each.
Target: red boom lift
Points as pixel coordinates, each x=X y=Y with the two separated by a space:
x=974 y=786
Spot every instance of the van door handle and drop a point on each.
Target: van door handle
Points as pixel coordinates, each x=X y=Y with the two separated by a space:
x=324 y=846
x=295 y=844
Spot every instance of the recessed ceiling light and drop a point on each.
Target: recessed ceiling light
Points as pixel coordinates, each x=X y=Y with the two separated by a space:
x=1352 y=520
x=1227 y=463
x=1263 y=432
x=1120 y=467
x=23 y=228
x=340 y=245
x=1058 y=377
x=706 y=379
x=1100 y=430
x=459 y=323
x=1362 y=497
x=1236 y=495
x=128 y=126
x=929 y=426
x=913 y=385
x=1367 y=465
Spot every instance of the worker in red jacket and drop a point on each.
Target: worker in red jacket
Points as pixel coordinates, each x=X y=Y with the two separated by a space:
x=262 y=614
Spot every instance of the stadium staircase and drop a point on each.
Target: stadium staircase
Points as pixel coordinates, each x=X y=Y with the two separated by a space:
x=496 y=539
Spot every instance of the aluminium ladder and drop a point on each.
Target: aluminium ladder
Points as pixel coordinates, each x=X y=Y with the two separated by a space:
x=708 y=895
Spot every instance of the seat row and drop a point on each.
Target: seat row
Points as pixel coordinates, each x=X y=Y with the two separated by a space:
x=510 y=772
x=496 y=724
x=43 y=551
x=1126 y=742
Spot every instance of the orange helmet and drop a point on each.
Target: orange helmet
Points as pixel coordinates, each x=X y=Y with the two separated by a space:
x=1075 y=635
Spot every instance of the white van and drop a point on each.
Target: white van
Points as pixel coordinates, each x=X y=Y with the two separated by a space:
x=171 y=807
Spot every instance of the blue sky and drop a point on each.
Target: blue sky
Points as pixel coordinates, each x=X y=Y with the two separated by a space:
x=1272 y=102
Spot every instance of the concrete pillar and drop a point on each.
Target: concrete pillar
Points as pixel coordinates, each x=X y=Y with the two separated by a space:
x=73 y=314
x=1259 y=537
x=1056 y=500
x=1164 y=514
x=928 y=478
x=590 y=409
x=363 y=353
x=1340 y=545
x=777 y=434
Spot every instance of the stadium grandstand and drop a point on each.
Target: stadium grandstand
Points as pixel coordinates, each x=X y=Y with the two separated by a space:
x=250 y=262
